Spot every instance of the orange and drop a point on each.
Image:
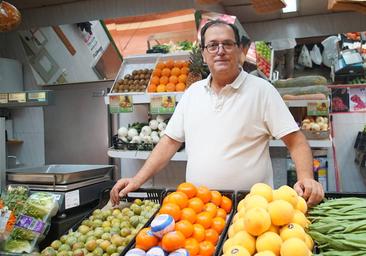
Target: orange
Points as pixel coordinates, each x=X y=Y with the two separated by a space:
x=145 y=239
x=206 y=248
x=184 y=70
x=218 y=224
x=205 y=219
x=169 y=63
x=166 y=199
x=211 y=208
x=226 y=204
x=179 y=198
x=155 y=80
x=160 y=65
x=172 y=241
x=164 y=80
x=216 y=197
x=188 y=214
x=211 y=235
x=185 y=64
x=182 y=78
x=187 y=188
x=175 y=71
x=151 y=88
x=196 y=204
x=170 y=87
x=198 y=232
x=202 y=191
x=180 y=87
x=192 y=246
x=221 y=213
x=166 y=72
x=161 y=88
x=185 y=227
x=157 y=72
x=178 y=63
x=173 y=79
x=171 y=209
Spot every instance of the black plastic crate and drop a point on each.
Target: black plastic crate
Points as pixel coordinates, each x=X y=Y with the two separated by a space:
x=228 y=193
x=330 y=195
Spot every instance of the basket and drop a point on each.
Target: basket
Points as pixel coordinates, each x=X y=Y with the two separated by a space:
x=228 y=193
x=313 y=135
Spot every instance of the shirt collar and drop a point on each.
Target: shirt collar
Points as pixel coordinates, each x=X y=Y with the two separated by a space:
x=235 y=85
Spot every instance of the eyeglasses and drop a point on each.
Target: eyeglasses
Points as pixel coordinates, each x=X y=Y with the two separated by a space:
x=213 y=47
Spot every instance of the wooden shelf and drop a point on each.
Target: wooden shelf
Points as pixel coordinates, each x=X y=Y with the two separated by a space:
x=14 y=142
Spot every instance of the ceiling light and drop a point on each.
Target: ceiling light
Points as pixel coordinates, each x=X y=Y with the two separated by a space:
x=291 y=6
x=9 y=17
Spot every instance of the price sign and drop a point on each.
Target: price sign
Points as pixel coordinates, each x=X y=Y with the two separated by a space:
x=19 y=97
x=120 y=104
x=319 y=108
x=162 y=104
x=37 y=96
x=3 y=98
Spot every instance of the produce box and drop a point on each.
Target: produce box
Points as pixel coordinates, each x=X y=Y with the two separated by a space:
x=170 y=73
x=316 y=135
x=111 y=229
x=142 y=65
x=228 y=193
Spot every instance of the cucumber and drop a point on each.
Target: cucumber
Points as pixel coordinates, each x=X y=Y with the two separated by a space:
x=304 y=90
x=301 y=81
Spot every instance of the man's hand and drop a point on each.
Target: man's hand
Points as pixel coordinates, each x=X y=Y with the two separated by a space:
x=311 y=190
x=121 y=188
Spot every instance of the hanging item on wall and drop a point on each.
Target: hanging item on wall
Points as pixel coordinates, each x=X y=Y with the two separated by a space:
x=10 y=17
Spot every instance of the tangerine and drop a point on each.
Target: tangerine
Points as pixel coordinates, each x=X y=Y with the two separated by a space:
x=157 y=72
x=185 y=227
x=151 y=88
x=164 y=80
x=218 y=224
x=192 y=246
x=145 y=239
x=179 y=198
x=221 y=213
x=178 y=63
x=198 y=232
x=226 y=204
x=262 y=189
x=172 y=241
x=281 y=212
x=171 y=209
x=170 y=87
x=166 y=72
x=155 y=80
x=161 y=88
x=205 y=219
x=160 y=65
x=173 y=79
x=169 y=63
x=211 y=235
x=187 y=188
x=175 y=71
x=202 y=191
x=269 y=241
x=206 y=248
x=188 y=214
x=196 y=204
x=216 y=197
x=182 y=78
x=184 y=70
x=180 y=87
x=257 y=221
x=185 y=64
x=211 y=208
x=294 y=247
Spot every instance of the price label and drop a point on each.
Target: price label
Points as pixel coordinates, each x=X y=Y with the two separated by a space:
x=162 y=104
x=319 y=108
x=72 y=199
x=120 y=104
x=3 y=98
x=37 y=96
x=19 y=97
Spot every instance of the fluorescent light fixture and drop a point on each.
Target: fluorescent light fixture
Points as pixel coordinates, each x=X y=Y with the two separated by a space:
x=291 y=6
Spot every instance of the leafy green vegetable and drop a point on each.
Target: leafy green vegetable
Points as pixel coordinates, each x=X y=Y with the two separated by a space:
x=22 y=234
x=17 y=246
x=185 y=45
x=40 y=204
x=15 y=198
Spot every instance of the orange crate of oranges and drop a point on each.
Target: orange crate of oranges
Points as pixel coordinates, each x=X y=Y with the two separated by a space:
x=170 y=74
x=192 y=220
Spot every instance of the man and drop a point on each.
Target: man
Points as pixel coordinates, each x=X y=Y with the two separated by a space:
x=226 y=122
x=284 y=52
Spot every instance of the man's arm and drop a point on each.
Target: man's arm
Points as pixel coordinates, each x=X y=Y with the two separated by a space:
x=301 y=154
x=157 y=160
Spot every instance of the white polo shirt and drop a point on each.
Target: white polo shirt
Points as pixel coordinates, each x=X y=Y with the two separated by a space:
x=227 y=135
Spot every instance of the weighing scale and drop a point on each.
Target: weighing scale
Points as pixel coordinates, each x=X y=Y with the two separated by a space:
x=348 y=66
x=79 y=189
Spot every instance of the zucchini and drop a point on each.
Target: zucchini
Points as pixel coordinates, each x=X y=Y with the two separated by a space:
x=301 y=81
x=314 y=89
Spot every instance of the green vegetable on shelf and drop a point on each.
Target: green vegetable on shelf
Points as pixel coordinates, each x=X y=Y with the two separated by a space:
x=22 y=234
x=17 y=246
x=40 y=205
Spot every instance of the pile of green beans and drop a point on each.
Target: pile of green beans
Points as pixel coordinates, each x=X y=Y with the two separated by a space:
x=339 y=226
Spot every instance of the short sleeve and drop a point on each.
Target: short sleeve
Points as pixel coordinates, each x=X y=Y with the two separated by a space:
x=175 y=127
x=278 y=117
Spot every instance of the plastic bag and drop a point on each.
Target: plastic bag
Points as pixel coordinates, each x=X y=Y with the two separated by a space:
x=330 y=53
x=304 y=58
x=316 y=55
